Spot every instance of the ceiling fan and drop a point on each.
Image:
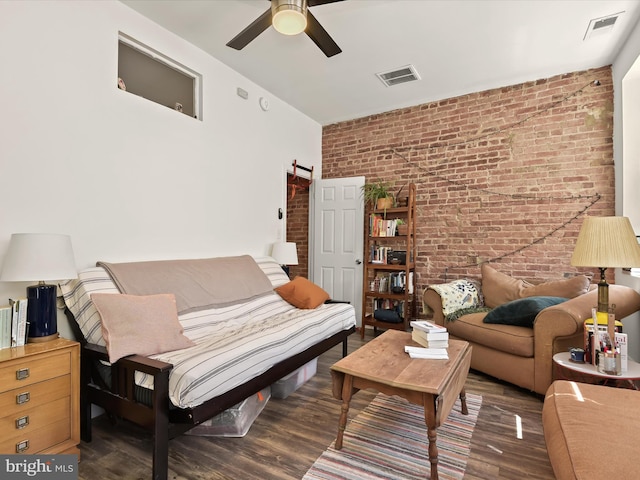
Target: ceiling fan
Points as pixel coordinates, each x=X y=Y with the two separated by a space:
x=289 y=17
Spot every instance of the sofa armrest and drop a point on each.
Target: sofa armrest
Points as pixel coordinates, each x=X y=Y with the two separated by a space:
x=432 y=303
x=561 y=326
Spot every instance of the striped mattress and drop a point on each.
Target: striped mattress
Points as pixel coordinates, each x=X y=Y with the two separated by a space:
x=233 y=343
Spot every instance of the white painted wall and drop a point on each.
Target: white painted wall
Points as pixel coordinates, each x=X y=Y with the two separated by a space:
x=129 y=179
x=626 y=149
x=626 y=124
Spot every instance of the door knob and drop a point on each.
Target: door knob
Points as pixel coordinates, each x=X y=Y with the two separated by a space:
x=358 y=261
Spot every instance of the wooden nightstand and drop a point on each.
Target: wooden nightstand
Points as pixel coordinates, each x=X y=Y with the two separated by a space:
x=40 y=398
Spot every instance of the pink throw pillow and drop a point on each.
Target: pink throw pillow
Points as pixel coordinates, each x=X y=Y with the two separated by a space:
x=139 y=324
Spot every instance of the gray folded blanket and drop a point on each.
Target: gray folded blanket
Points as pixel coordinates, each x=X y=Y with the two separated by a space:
x=196 y=283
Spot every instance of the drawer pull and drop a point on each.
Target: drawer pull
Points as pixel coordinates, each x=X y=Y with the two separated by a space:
x=22 y=422
x=23 y=398
x=22 y=374
x=22 y=446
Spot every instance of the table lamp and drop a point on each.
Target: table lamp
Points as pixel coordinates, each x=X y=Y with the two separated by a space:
x=286 y=254
x=39 y=257
x=606 y=242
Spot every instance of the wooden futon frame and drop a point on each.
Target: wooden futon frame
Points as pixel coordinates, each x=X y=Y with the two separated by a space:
x=152 y=409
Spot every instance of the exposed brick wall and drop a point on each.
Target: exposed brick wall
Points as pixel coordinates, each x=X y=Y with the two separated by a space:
x=504 y=175
x=298 y=229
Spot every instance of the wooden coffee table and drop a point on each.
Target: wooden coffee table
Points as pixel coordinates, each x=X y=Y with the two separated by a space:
x=383 y=365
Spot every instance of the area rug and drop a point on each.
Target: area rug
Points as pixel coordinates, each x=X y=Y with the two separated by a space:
x=388 y=440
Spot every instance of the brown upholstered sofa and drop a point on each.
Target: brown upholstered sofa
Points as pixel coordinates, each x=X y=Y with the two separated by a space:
x=591 y=430
x=523 y=355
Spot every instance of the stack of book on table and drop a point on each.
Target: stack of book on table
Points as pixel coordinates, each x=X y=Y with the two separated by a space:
x=433 y=338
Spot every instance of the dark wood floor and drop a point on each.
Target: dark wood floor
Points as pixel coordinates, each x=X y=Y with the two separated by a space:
x=290 y=434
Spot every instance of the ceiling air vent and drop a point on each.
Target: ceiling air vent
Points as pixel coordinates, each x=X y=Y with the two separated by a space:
x=602 y=25
x=398 y=76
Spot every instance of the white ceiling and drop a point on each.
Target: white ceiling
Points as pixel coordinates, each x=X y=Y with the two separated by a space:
x=457 y=47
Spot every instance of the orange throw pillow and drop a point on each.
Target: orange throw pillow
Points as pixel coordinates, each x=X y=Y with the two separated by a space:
x=139 y=324
x=302 y=293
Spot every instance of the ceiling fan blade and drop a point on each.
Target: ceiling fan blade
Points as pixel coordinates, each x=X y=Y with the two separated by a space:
x=320 y=37
x=258 y=26
x=313 y=3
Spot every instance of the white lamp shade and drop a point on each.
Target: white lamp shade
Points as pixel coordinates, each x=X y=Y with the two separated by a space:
x=38 y=257
x=285 y=253
x=605 y=242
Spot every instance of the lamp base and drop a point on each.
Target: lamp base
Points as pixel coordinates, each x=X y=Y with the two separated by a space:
x=286 y=269
x=43 y=339
x=41 y=313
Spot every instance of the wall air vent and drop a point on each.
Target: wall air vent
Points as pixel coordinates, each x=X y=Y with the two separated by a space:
x=601 y=26
x=398 y=76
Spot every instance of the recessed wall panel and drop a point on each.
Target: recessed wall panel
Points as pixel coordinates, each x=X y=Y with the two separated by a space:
x=328 y=280
x=328 y=194
x=348 y=231
x=328 y=232
x=349 y=192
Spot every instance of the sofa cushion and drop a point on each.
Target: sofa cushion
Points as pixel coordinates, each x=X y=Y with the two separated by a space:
x=499 y=288
x=507 y=338
x=568 y=288
x=302 y=293
x=139 y=324
x=570 y=415
x=521 y=312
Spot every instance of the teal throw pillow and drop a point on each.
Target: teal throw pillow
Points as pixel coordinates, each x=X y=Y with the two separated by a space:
x=521 y=312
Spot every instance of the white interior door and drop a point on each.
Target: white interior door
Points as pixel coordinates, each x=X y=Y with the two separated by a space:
x=336 y=229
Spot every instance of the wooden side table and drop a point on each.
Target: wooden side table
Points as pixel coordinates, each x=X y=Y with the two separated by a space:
x=40 y=398
x=565 y=369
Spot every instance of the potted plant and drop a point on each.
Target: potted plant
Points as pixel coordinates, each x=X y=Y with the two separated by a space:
x=401 y=227
x=378 y=194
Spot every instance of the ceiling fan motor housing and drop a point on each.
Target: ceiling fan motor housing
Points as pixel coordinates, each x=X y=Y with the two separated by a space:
x=289 y=17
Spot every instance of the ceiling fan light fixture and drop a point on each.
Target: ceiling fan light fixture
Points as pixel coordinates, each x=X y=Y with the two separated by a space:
x=289 y=16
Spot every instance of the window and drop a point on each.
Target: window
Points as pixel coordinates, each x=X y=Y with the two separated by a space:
x=154 y=76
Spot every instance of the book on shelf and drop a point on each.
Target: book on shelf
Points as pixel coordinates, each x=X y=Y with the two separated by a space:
x=18 y=321
x=422 y=338
x=427 y=353
x=5 y=326
x=380 y=227
x=379 y=254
